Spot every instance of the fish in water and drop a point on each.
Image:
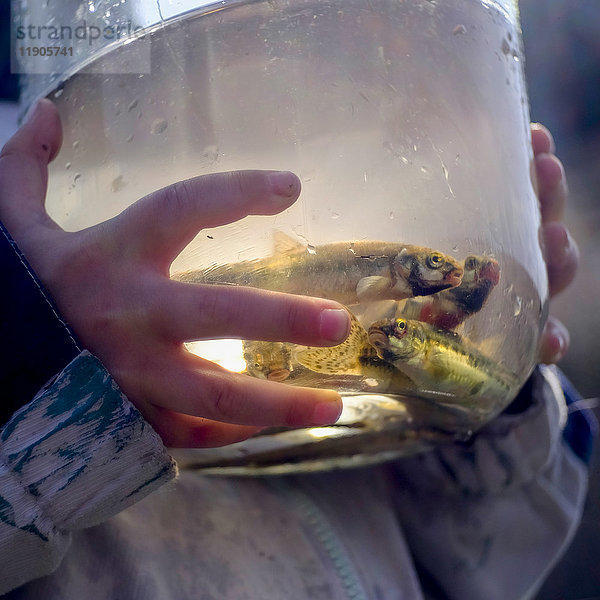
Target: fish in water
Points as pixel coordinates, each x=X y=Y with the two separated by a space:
x=348 y=272
x=441 y=361
x=354 y=356
x=449 y=308
x=268 y=360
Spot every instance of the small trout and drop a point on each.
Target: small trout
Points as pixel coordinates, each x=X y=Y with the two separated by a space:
x=354 y=356
x=268 y=360
x=451 y=307
x=348 y=272
x=441 y=361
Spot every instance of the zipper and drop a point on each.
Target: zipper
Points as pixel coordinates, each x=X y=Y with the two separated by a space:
x=325 y=533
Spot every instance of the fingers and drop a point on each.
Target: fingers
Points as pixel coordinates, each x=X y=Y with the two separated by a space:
x=24 y=168
x=162 y=224
x=190 y=385
x=561 y=252
x=562 y=256
x=183 y=431
x=551 y=178
x=186 y=312
x=552 y=187
x=555 y=341
x=541 y=140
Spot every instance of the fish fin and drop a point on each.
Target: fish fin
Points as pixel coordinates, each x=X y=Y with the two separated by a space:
x=375 y=311
x=410 y=308
x=284 y=244
x=372 y=287
x=337 y=360
x=491 y=346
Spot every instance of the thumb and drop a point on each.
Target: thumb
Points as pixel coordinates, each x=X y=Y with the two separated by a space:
x=24 y=169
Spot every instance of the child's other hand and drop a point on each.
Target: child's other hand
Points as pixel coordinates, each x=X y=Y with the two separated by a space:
x=111 y=283
x=562 y=255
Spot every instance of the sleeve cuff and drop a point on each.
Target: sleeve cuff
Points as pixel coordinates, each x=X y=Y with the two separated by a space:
x=79 y=453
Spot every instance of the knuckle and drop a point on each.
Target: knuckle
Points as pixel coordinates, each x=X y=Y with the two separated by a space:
x=296 y=319
x=177 y=197
x=225 y=401
x=239 y=183
x=297 y=412
x=215 y=304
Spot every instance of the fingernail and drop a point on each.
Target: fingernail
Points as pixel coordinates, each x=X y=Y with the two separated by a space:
x=558 y=245
x=284 y=183
x=555 y=341
x=563 y=346
x=334 y=325
x=326 y=413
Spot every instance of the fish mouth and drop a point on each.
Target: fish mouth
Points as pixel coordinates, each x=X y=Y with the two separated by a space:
x=490 y=272
x=426 y=288
x=278 y=375
x=454 y=277
x=378 y=339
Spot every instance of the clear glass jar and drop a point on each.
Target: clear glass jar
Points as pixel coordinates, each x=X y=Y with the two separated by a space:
x=407 y=122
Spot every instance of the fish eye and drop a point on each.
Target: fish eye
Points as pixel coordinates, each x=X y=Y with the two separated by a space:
x=434 y=260
x=470 y=263
x=399 y=325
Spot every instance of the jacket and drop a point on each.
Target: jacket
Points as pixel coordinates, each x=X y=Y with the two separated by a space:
x=91 y=504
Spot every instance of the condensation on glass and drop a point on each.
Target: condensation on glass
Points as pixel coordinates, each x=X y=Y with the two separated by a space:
x=407 y=122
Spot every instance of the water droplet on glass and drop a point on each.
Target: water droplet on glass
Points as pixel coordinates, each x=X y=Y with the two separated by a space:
x=58 y=93
x=335 y=215
x=459 y=29
x=311 y=249
x=424 y=170
x=76 y=178
x=391 y=215
x=516 y=57
x=68 y=165
x=158 y=126
x=117 y=184
x=132 y=105
x=75 y=144
x=211 y=153
x=518 y=306
x=445 y=171
x=129 y=138
x=505 y=46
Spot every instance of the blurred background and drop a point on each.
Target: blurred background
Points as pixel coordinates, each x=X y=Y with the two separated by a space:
x=562 y=52
x=562 y=49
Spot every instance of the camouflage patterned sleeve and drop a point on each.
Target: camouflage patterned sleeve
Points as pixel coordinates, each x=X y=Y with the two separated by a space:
x=76 y=455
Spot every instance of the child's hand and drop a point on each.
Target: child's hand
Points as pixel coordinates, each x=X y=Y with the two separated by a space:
x=562 y=255
x=111 y=284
